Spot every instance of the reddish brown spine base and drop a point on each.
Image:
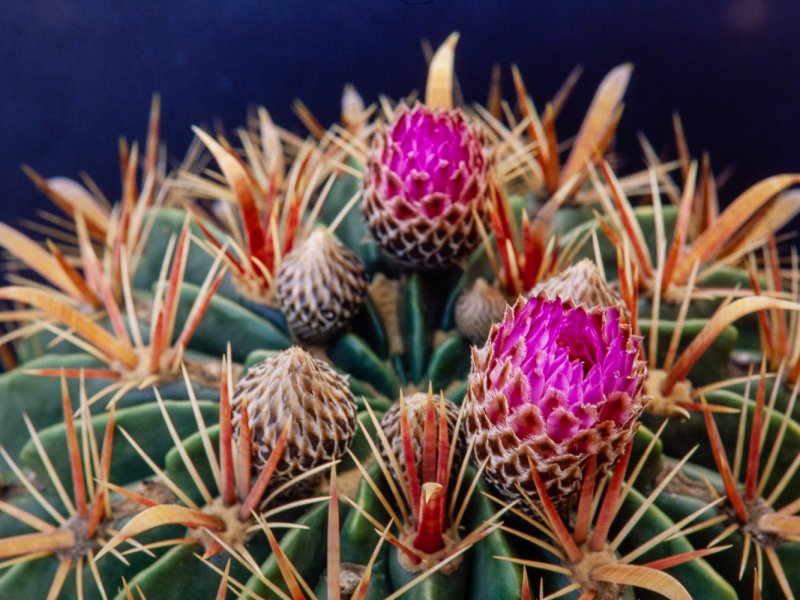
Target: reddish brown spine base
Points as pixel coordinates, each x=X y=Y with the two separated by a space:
x=430 y=530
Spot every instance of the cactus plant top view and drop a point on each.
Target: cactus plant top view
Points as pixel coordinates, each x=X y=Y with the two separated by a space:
x=434 y=350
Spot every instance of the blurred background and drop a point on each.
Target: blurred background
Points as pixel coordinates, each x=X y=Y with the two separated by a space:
x=74 y=75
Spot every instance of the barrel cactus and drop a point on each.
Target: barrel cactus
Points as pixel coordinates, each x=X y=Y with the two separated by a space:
x=421 y=353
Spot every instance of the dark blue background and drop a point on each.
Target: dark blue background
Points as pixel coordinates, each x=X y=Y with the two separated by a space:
x=75 y=75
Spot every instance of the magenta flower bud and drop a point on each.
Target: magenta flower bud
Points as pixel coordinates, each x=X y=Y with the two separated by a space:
x=424 y=182
x=556 y=383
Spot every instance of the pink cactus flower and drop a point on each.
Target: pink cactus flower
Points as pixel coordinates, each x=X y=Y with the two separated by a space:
x=424 y=183
x=555 y=384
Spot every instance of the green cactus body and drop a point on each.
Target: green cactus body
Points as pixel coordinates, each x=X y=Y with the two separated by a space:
x=677 y=505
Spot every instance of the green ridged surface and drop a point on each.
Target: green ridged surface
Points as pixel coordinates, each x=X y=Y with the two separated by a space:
x=680 y=436
x=226 y=322
x=352 y=354
x=414 y=328
x=40 y=398
x=713 y=366
x=727 y=563
x=145 y=425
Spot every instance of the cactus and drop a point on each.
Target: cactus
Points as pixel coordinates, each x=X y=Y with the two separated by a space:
x=418 y=354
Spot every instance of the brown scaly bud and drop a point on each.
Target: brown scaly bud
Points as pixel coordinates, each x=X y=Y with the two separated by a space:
x=294 y=385
x=416 y=409
x=477 y=309
x=583 y=283
x=424 y=186
x=320 y=286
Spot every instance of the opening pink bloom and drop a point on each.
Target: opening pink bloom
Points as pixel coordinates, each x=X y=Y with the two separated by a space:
x=425 y=174
x=558 y=384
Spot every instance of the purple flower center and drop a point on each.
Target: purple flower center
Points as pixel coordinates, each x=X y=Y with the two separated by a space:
x=562 y=370
x=433 y=158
